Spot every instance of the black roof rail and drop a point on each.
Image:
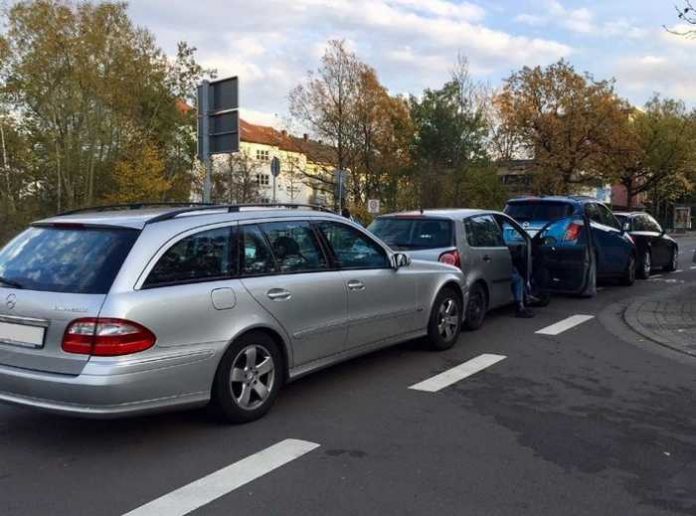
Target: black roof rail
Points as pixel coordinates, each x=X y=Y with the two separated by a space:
x=233 y=208
x=132 y=206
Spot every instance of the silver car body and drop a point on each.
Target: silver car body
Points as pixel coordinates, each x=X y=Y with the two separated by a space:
x=326 y=317
x=489 y=265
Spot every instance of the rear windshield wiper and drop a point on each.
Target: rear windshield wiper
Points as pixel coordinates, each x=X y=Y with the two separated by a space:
x=11 y=283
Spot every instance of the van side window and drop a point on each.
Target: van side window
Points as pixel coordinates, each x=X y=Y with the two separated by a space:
x=483 y=231
x=204 y=256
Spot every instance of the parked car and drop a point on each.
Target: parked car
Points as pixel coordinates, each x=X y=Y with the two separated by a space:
x=479 y=242
x=655 y=247
x=575 y=258
x=122 y=312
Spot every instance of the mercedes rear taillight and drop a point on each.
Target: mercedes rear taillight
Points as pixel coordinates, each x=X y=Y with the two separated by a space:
x=573 y=232
x=106 y=337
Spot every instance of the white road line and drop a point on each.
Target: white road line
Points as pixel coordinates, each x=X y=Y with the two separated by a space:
x=211 y=487
x=693 y=267
x=458 y=373
x=678 y=271
x=655 y=276
x=565 y=324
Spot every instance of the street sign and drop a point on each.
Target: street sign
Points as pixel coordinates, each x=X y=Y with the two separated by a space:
x=275 y=167
x=373 y=206
x=218 y=123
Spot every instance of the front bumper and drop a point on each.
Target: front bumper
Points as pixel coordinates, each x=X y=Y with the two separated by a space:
x=115 y=388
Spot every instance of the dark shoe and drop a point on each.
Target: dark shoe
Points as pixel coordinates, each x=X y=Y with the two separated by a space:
x=524 y=313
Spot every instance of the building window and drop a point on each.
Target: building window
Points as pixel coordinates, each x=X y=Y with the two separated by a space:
x=263 y=179
x=262 y=155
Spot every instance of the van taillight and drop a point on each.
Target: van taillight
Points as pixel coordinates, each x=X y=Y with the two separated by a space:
x=451 y=258
x=573 y=232
x=104 y=337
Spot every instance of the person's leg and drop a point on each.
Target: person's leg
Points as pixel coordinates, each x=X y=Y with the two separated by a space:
x=518 y=294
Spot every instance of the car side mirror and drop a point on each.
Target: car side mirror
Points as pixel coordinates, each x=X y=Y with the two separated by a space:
x=401 y=260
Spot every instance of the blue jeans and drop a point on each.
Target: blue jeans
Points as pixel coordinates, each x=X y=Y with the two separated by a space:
x=517 y=286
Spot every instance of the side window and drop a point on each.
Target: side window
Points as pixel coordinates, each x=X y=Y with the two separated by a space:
x=295 y=246
x=653 y=224
x=608 y=218
x=483 y=231
x=256 y=256
x=592 y=211
x=638 y=223
x=204 y=256
x=353 y=249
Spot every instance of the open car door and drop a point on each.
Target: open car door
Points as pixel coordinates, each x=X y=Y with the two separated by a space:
x=563 y=257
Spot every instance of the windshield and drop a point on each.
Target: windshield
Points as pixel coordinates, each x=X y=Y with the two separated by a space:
x=72 y=260
x=421 y=233
x=542 y=211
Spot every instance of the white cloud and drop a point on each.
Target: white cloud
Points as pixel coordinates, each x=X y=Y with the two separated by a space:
x=668 y=74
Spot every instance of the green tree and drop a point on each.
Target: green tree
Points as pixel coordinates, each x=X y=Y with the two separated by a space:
x=139 y=176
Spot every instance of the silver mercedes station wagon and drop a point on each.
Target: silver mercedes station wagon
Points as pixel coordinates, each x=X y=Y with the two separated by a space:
x=131 y=309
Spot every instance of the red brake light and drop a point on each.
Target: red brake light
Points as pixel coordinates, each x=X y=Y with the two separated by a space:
x=573 y=231
x=103 y=337
x=451 y=258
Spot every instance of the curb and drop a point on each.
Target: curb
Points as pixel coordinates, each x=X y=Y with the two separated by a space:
x=630 y=317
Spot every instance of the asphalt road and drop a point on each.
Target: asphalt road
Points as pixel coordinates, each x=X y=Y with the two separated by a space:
x=593 y=420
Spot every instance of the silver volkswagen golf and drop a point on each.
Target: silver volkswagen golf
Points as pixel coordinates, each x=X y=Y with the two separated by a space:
x=125 y=311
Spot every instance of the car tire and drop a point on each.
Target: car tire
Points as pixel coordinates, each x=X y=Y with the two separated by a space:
x=445 y=322
x=645 y=265
x=629 y=275
x=476 y=307
x=248 y=378
x=591 y=289
x=673 y=264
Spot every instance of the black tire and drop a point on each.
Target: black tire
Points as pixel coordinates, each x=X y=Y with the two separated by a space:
x=673 y=264
x=644 y=265
x=629 y=276
x=445 y=323
x=227 y=393
x=476 y=307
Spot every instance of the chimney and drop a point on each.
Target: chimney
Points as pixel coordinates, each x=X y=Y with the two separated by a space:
x=305 y=137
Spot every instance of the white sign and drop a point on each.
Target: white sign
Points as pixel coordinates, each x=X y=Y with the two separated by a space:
x=373 y=206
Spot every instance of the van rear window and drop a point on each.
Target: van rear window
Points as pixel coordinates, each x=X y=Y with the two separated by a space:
x=541 y=211
x=66 y=259
x=411 y=234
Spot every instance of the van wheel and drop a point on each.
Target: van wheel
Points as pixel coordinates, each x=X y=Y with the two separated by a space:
x=445 y=322
x=248 y=378
x=645 y=265
x=629 y=275
x=476 y=308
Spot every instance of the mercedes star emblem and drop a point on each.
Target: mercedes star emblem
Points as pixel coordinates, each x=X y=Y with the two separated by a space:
x=11 y=301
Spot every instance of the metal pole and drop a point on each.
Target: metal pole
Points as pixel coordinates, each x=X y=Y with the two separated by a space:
x=274 y=189
x=205 y=129
x=340 y=192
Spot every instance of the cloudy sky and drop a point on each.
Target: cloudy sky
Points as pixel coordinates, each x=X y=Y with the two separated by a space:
x=413 y=44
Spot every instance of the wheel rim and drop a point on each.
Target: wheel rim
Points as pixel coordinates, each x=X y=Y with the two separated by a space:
x=448 y=318
x=475 y=306
x=675 y=259
x=646 y=264
x=252 y=377
x=631 y=269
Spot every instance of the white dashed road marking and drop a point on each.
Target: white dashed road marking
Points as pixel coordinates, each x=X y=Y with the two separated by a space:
x=678 y=271
x=693 y=267
x=211 y=487
x=565 y=324
x=655 y=276
x=458 y=373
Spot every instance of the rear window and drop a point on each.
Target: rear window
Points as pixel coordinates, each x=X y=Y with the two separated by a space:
x=72 y=260
x=422 y=233
x=543 y=211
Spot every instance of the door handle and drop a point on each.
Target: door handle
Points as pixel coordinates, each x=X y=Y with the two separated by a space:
x=486 y=258
x=356 y=285
x=278 y=294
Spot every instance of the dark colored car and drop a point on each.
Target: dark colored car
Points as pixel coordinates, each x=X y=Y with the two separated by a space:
x=580 y=241
x=655 y=247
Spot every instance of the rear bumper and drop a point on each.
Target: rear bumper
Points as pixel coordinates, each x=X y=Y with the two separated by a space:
x=111 y=388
